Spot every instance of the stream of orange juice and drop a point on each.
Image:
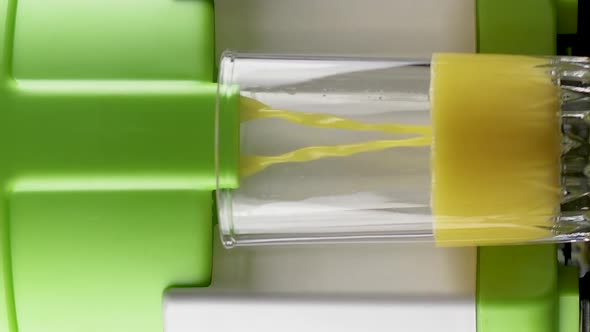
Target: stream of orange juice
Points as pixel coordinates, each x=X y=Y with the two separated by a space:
x=496 y=149
x=251 y=109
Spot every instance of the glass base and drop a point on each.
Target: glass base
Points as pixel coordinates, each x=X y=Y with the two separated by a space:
x=573 y=77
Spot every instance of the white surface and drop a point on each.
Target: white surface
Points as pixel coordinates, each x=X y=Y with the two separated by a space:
x=369 y=27
x=185 y=312
x=408 y=271
x=373 y=28
x=340 y=288
x=337 y=288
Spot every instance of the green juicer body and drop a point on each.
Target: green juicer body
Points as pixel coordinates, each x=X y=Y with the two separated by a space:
x=107 y=120
x=523 y=288
x=107 y=168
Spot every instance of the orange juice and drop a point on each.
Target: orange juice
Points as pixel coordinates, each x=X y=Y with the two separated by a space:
x=496 y=149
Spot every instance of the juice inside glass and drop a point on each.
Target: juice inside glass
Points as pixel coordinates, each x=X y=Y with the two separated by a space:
x=460 y=149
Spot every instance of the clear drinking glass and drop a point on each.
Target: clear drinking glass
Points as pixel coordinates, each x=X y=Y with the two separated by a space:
x=343 y=149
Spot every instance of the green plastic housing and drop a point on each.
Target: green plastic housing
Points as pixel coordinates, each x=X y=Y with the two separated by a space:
x=107 y=160
x=523 y=288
